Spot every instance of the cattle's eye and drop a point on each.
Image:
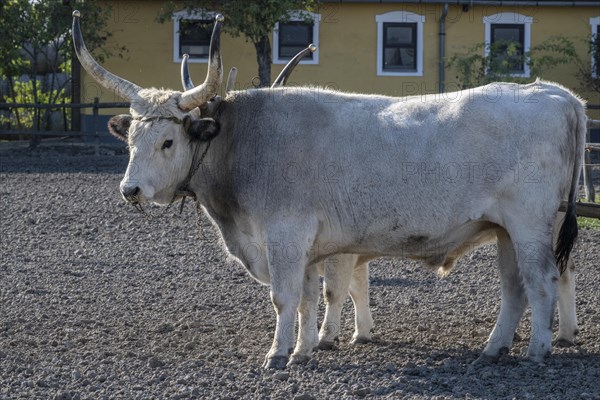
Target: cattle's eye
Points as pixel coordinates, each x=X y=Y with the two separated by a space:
x=167 y=144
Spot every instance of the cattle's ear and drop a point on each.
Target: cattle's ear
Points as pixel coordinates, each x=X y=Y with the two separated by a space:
x=203 y=129
x=118 y=126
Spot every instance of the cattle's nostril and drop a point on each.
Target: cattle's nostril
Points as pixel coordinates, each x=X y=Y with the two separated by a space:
x=130 y=191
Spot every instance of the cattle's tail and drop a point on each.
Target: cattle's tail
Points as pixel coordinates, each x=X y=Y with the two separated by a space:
x=568 y=229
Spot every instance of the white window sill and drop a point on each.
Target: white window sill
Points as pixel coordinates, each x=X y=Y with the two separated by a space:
x=389 y=73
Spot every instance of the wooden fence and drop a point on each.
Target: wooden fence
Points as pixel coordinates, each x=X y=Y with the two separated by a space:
x=588 y=209
x=590 y=193
x=95 y=132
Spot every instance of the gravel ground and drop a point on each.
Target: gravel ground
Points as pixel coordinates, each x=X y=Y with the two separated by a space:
x=98 y=302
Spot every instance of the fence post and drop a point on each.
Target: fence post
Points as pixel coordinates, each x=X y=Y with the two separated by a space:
x=64 y=115
x=590 y=194
x=96 y=136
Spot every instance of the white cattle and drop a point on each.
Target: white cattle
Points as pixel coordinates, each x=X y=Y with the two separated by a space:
x=349 y=273
x=291 y=177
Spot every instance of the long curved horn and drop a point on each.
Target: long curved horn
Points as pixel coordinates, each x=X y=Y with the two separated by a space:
x=207 y=109
x=120 y=86
x=186 y=80
x=199 y=95
x=287 y=70
x=231 y=80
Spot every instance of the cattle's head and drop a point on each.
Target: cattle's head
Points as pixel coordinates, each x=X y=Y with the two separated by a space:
x=164 y=127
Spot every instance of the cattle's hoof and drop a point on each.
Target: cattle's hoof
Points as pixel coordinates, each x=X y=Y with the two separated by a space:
x=560 y=342
x=277 y=362
x=529 y=363
x=481 y=362
x=327 y=346
x=535 y=359
x=361 y=340
x=485 y=360
x=297 y=359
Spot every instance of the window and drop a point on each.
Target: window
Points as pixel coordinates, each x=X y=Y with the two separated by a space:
x=194 y=37
x=507 y=44
x=507 y=40
x=192 y=34
x=295 y=35
x=595 y=53
x=399 y=47
x=400 y=44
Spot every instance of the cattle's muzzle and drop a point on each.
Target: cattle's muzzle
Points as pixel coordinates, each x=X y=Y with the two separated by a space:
x=131 y=194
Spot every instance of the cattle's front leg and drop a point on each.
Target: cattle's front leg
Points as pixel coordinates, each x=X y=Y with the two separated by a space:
x=307 y=314
x=288 y=245
x=567 y=317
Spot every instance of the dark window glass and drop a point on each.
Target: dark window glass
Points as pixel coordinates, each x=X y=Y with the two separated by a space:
x=194 y=37
x=399 y=47
x=507 y=44
x=294 y=36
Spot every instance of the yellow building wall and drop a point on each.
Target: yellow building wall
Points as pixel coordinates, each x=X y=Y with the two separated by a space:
x=347 y=47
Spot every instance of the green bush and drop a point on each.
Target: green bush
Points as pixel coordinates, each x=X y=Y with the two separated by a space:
x=473 y=68
x=25 y=118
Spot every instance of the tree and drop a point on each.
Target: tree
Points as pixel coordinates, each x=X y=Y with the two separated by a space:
x=254 y=19
x=589 y=80
x=36 y=40
x=474 y=68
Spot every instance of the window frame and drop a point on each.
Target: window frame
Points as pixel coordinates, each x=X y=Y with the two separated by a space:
x=413 y=44
x=200 y=15
x=401 y=17
x=298 y=16
x=508 y=18
x=595 y=25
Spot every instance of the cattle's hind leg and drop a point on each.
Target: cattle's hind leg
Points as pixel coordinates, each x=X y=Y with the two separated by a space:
x=337 y=275
x=512 y=304
x=307 y=313
x=359 y=290
x=343 y=273
x=539 y=274
x=567 y=316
